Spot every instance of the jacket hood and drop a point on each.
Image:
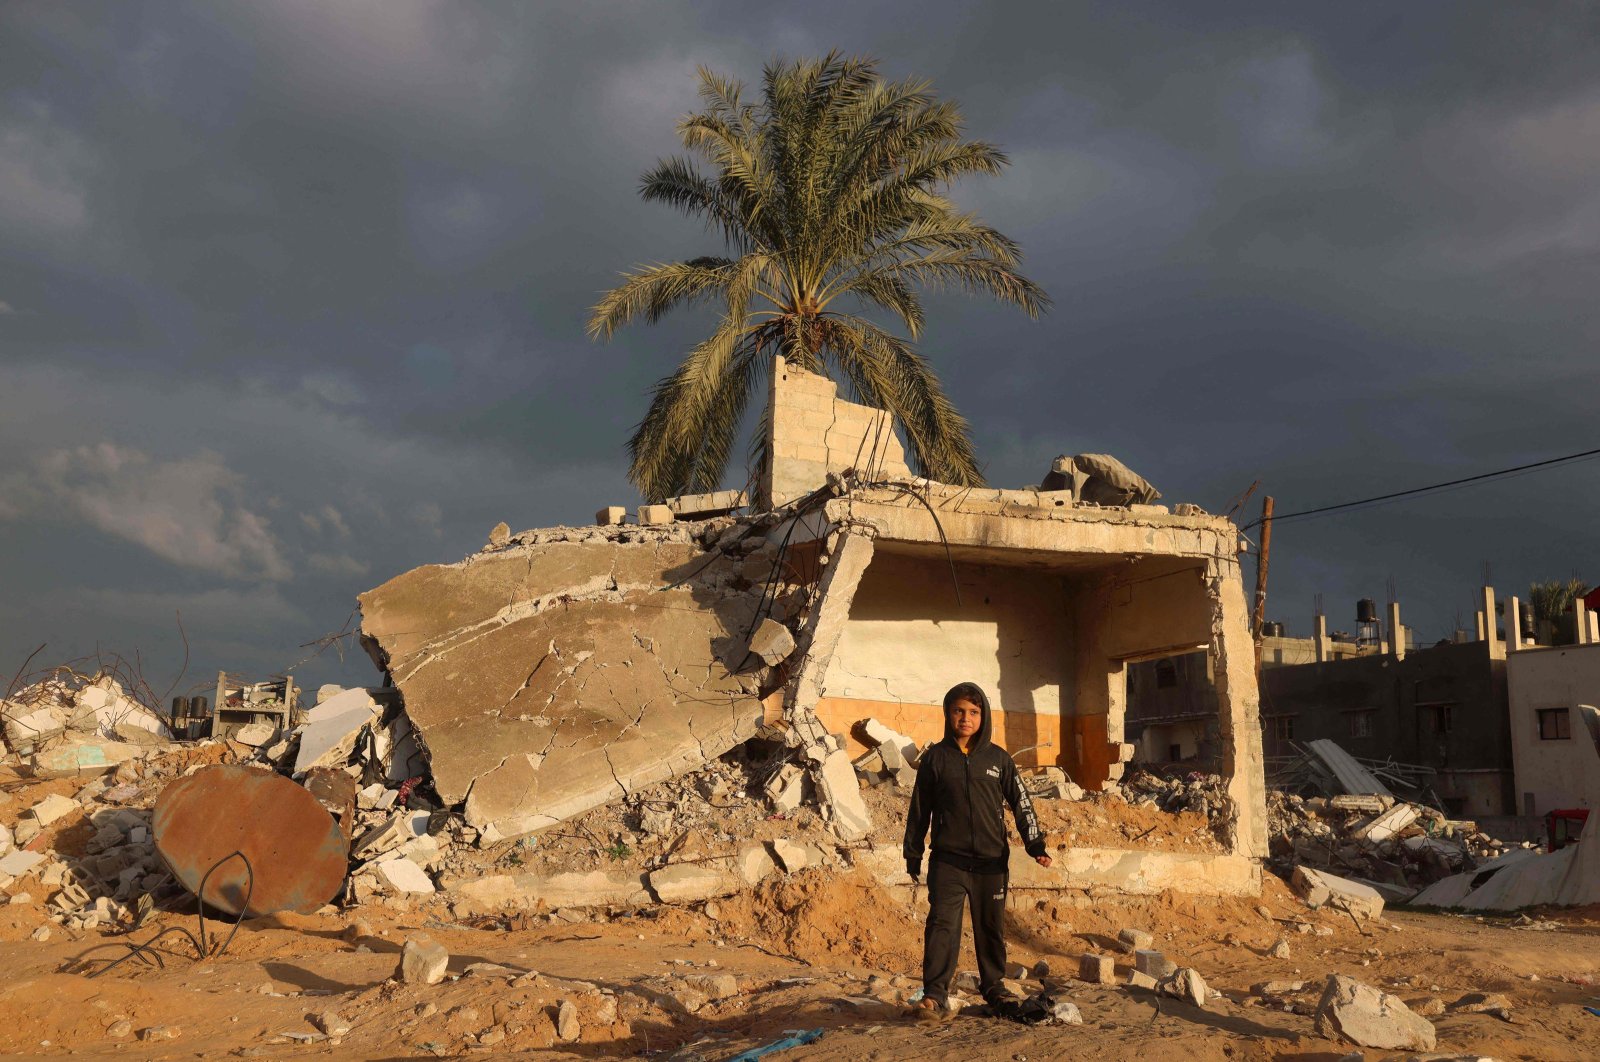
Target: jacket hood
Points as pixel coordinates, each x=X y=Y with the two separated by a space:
x=969 y=691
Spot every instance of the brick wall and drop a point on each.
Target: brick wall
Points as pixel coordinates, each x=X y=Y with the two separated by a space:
x=815 y=432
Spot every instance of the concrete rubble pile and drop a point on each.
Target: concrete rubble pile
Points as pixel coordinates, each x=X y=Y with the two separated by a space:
x=71 y=722
x=109 y=873
x=1391 y=845
x=564 y=669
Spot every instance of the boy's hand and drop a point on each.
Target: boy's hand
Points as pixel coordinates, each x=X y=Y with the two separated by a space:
x=1043 y=861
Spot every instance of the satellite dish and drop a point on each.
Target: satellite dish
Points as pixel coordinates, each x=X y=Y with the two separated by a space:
x=295 y=858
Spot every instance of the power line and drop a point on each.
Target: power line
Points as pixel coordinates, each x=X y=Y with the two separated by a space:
x=1432 y=487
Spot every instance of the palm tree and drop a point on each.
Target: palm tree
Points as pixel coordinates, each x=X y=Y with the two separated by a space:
x=830 y=187
x=1551 y=602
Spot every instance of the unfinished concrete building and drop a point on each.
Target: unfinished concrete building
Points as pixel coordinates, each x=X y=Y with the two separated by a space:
x=562 y=669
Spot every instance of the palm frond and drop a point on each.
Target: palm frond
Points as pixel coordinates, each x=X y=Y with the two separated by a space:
x=654 y=290
x=888 y=373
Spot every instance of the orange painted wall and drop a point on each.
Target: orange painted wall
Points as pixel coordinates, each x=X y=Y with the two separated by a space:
x=924 y=724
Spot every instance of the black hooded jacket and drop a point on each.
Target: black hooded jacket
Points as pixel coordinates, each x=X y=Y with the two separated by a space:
x=964 y=796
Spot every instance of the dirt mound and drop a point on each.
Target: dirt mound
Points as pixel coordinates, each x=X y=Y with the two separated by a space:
x=826 y=916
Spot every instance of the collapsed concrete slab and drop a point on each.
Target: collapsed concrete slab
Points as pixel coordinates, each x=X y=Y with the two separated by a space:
x=332 y=727
x=568 y=668
x=1319 y=888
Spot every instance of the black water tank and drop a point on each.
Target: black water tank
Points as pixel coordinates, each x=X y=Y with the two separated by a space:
x=1366 y=611
x=199 y=707
x=1272 y=629
x=1528 y=631
x=180 y=710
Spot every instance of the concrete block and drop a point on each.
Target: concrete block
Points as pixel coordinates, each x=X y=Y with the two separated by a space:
x=1152 y=962
x=691 y=883
x=611 y=516
x=772 y=642
x=703 y=506
x=714 y=986
x=329 y=736
x=404 y=876
x=1187 y=984
x=842 y=794
x=255 y=734
x=1319 y=888
x=422 y=962
x=393 y=832
x=1138 y=979
x=655 y=514
x=1134 y=939
x=1369 y=1017
x=1097 y=969
x=52 y=808
x=786 y=788
x=18 y=863
x=754 y=864
x=791 y=855
x=1384 y=828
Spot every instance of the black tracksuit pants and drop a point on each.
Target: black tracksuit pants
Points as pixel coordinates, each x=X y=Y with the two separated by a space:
x=948 y=889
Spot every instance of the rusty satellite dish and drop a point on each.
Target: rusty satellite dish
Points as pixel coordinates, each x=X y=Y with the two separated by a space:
x=296 y=855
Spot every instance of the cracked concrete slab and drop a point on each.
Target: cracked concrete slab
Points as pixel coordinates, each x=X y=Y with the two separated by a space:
x=546 y=678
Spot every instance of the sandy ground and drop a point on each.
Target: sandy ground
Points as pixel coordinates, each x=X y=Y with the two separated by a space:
x=813 y=951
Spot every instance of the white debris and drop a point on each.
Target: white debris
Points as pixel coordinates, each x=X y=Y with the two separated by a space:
x=329 y=735
x=402 y=875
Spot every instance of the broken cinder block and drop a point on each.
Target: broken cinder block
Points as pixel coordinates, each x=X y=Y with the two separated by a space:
x=655 y=514
x=703 y=506
x=772 y=642
x=1134 y=939
x=1097 y=969
x=51 y=808
x=786 y=788
x=611 y=516
x=1152 y=962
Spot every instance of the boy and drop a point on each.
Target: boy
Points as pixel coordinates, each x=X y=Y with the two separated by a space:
x=963 y=783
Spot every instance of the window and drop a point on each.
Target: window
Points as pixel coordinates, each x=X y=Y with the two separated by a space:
x=1439 y=719
x=1360 y=723
x=1281 y=727
x=1174 y=753
x=1166 y=674
x=1554 y=724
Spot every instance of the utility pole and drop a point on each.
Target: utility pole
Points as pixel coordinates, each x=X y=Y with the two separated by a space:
x=1261 y=577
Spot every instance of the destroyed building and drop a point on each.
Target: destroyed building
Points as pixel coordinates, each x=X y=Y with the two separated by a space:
x=1441 y=708
x=561 y=669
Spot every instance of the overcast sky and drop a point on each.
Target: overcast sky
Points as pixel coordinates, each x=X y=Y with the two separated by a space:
x=292 y=293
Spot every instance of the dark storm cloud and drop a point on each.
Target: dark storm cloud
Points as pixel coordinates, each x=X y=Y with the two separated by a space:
x=292 y=294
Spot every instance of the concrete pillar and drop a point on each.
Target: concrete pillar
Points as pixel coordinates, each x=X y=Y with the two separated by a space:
x=1581 y=627
x=1594 y=628
x=820 y=638
x=1478 y=615
x=1238 y=707
x=1491 y=633
x=1319 y=636
x=1397 y=633
x=1513 y=624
